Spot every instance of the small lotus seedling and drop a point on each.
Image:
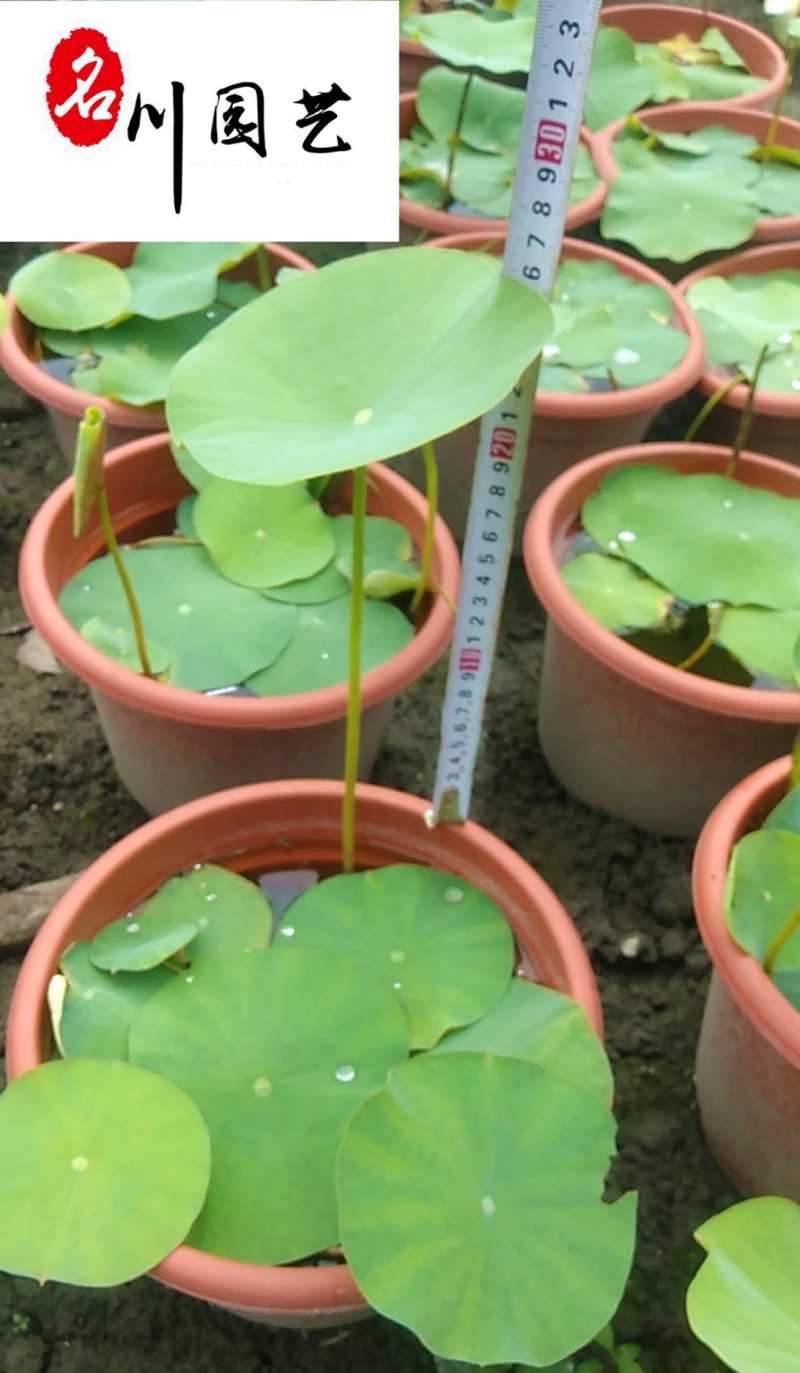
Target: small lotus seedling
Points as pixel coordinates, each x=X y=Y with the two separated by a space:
x=678 y=195
x=117 y=332
x=743 y=1301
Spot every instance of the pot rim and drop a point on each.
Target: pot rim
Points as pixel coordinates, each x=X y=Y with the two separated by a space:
x=67 y=400
x=748 y=983
x=393 y=824
x=557 y=509
x=613 y=16
x=632 y=400
x=689 y=116
x=767 y=257
x=179 y=703
x=438 y=223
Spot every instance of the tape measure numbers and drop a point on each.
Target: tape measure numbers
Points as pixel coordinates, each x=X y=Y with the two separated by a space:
x=557 y=84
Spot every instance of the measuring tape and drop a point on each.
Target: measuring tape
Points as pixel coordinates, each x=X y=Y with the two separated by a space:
x=562 y=55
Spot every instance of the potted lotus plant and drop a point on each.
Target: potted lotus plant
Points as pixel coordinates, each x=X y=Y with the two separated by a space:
x=374 y=936
x=111 y=319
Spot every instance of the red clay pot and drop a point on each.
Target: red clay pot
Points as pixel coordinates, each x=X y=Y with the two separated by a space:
x=416 y=220
x=415 y=61
x=274 y=826
x=566 y=428
x=169 y=744
x=651 y=23
x=622 y=731
x=65 y=405
x=776 y=418
x=688 y=118
x=748 y=1056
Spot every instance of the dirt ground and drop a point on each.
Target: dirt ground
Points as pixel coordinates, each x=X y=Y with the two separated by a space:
x=62 y=806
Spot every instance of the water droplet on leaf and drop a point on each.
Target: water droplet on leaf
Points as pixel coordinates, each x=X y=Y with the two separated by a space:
x=346 y=1073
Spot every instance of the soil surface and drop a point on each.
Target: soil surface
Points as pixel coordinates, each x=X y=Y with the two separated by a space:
x=627 y=891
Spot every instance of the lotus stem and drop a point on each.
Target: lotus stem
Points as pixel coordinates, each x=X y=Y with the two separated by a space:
x=708 y=642
x=456 y=138
x=432 y=492
x=794 y=774
x=772 y=131
x=262 y=266
x=353 y=726
x=711 y=404
x=746 y=421
x=127 y=586
x=791 y=926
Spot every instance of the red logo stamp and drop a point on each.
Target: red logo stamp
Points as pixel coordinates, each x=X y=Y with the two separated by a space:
x=84 y=87
x=550 y=139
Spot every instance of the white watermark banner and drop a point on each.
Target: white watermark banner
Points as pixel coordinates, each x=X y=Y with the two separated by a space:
x=221 y=120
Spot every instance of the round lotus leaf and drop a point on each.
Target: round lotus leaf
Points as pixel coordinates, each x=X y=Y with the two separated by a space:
x=545 y=1027
x=713 y=83
x=184 y=517
x=388 y=553
x=179 y=278
x=138 y=355
x=277 y=1048
x=120 y=645
x=618 y=83
x=725 y=346
x=432 y=341
x=601 y=283
x=219 y=633
x=491 y=120
x=231 y=914
x=778 y=188
x=263 y=536
x=786 y=815
x=763 y=309
x=764 y=640
x=317 y=655
x=484 y=181
x=463 y=38
x=97 y=1007
x=614 y=593
x=705 y=537
x=470 y=1206
x=742 y=1302
x=70 y=291
x=665 y=213
x=140 y=941
x=103 y=1169
x=440 y=943
x=327 y=585
x=761 y=893
x=781 y=372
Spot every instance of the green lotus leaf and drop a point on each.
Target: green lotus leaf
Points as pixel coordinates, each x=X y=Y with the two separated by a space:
x=761 y=893
x=764 y=640
x=705 y=537
x=219 y=633
x=585 y=177
x=601 y=283
x=423 y=188
x=327 y=585
x=138 y=355
x=589 y=336
x=184 y=516
x=615 y=593
x=98 y=1007
x=669 y=81
x=562 y=381
x=491 y=120
x=388 y=553
x=439 y=942
x=277 y=1048
x=714 y=40
x=544 y=1027
x=178 y=278
x=786 y=815
x=103 y=1169
x=454 y=335
x=646 y=348
x=618 y=83
x=70 y=291
x=485 y=1174
x=236 y=294
x=777 y=188
x=119 y=644
x=317 y=654
x=263 y=536
x=781 y=372
x=664 y=213
x=682 y=638
x=464 y=39
x=725 y=346
x=484 y=181
x=231 y=914
x=710 y=83
x=742 y=1302
x=787 y=980
x=760 y=308
x=142 y=940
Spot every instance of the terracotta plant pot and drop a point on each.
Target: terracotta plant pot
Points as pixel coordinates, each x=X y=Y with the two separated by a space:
x=169 y=744
x=748 y=1057
x=566 y=428
x=688 y=118
x=651 y=23
x=415 y=60
x=621 y=730
x=416 y=220
x=64 y=403
x=276 y=826
x=776 y=417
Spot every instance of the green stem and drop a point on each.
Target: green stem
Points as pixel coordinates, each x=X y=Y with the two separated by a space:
x=708 y=642
x=127 y=586
x=746 y=421
x=772 y=131
x=353 y=727
x=432 y=492
x=711 y=404
x=794 y=775
x=262 y=266
x=455 y=139
x=790 y=928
